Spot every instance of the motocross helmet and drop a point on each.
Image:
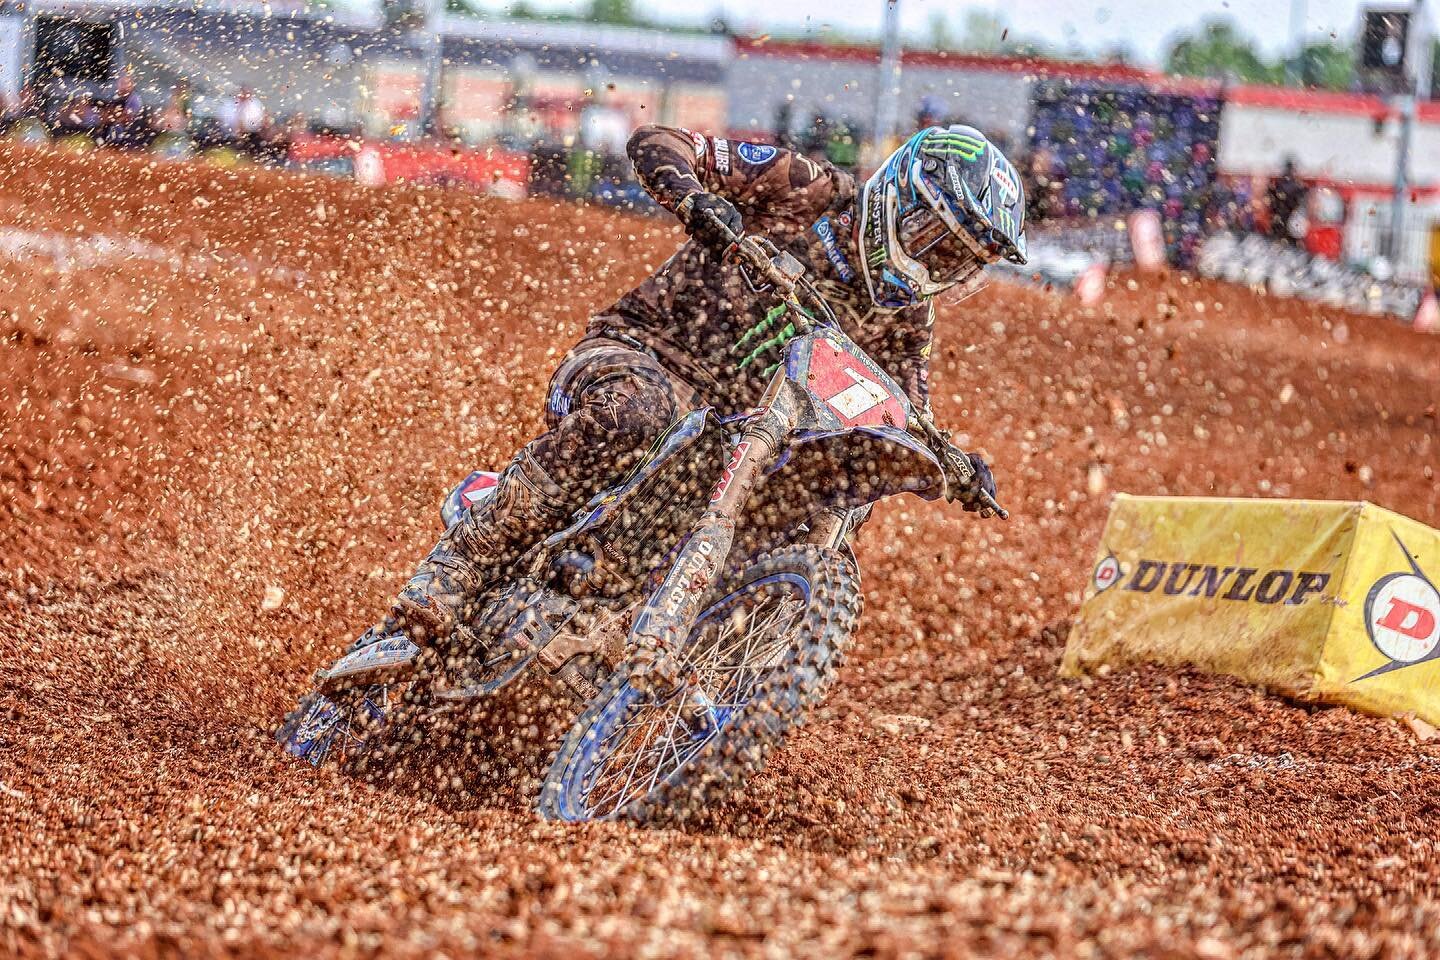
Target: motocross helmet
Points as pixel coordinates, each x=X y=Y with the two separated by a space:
x=935 y=213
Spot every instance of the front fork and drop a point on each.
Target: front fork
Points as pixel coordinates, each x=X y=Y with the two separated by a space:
x=833 y=526
x=663 y=625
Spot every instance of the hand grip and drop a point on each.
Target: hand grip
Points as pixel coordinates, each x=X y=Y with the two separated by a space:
x=724 y=228
x=939 y=442
x=990 y=507
x=777 y=268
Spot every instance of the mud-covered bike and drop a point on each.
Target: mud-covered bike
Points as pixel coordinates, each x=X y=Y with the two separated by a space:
x=697 y=608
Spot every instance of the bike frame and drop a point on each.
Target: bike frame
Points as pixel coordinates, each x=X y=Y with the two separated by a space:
x=808 y=391
x=827 y=387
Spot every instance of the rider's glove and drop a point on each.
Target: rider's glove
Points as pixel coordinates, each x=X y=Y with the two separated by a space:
x=982 y=480
x=692 y=213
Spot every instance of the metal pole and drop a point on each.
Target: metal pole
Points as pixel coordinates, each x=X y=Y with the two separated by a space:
x=1424 y=69
x=1295 y=64
x=1413 y=57
x=887 y=99
x=428 y=38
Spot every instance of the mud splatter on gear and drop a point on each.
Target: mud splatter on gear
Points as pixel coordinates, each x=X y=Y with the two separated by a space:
x=693 y=309
x=936 y=212
x=607 y=403
x=667 y=346
x=476 y=549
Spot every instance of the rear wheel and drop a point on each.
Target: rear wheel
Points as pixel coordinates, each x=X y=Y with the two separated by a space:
x=763 y=649
x=335 y=727
x=345 y=721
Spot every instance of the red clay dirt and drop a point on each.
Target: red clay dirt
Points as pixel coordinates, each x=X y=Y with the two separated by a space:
x=263 y=382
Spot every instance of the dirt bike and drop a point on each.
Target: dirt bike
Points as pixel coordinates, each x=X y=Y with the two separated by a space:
x=697 y=608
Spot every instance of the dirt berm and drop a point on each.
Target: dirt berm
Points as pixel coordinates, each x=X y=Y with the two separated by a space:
x=220 y=387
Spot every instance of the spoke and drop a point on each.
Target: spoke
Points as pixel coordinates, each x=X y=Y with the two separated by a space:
x=650 y=747
x=747 y=638
x=735 y=668
x=640 y=752
x=612 y=791
x=654 y=740
x=782 y=608
x=718 y=655
x=669 y=741
x=743 y=637
x=608 y=764
x=752 y=639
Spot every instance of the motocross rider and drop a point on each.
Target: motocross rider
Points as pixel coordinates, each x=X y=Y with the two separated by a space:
x=940 y=208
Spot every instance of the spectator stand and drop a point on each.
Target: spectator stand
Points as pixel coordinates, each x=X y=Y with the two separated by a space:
x=1115 y=149
x=1285 y=270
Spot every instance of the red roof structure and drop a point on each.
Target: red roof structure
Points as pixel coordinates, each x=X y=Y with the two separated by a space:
x=1000 y=63
x=1283 y=98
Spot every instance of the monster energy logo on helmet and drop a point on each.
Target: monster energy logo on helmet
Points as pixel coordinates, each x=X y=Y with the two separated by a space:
x=948 y=144
x=876 y=216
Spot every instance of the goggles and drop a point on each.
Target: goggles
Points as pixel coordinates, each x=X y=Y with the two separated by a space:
x=949 y=250
x=928 y=240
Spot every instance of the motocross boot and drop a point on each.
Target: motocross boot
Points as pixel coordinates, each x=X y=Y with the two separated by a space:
x=526 y=506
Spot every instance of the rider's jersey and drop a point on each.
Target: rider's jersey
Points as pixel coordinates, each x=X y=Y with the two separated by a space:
x=692 y=310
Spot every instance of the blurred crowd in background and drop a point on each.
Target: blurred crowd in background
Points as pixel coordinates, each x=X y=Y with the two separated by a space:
x=517 y=110
x=82 y=116
x=1094 y=151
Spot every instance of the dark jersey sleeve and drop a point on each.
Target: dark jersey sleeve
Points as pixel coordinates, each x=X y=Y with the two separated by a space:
x=915 y=326
x=770 y=186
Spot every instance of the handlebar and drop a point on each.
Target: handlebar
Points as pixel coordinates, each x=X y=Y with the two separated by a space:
x=787 y=275
x=749 y=249
x=939 y=442
x=784 y=273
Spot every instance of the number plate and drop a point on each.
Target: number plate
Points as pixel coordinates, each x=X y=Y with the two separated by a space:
x=848 y=386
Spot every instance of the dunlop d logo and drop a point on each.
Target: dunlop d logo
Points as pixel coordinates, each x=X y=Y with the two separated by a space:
x=1107 y=573
x=1402 y=617
x=1238 y=584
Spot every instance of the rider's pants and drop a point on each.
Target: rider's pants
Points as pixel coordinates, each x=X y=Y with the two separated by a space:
x=607 y=404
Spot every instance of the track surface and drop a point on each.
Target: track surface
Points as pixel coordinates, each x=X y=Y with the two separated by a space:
x=282 y=403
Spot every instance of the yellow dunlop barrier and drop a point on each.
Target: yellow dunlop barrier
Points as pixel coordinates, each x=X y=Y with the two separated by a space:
x=1316 y=599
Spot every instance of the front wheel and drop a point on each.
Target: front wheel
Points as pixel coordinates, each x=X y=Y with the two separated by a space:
x=336 y=727
x=764 y=648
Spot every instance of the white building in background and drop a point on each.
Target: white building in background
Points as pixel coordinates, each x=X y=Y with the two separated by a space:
x=1347 y=142
x=1342 y=137
x=348 y=66
x=990 y=92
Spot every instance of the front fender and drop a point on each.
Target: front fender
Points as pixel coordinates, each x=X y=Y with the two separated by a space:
x=846 y=469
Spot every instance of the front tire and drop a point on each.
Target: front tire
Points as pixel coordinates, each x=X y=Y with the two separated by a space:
x=763 y=649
